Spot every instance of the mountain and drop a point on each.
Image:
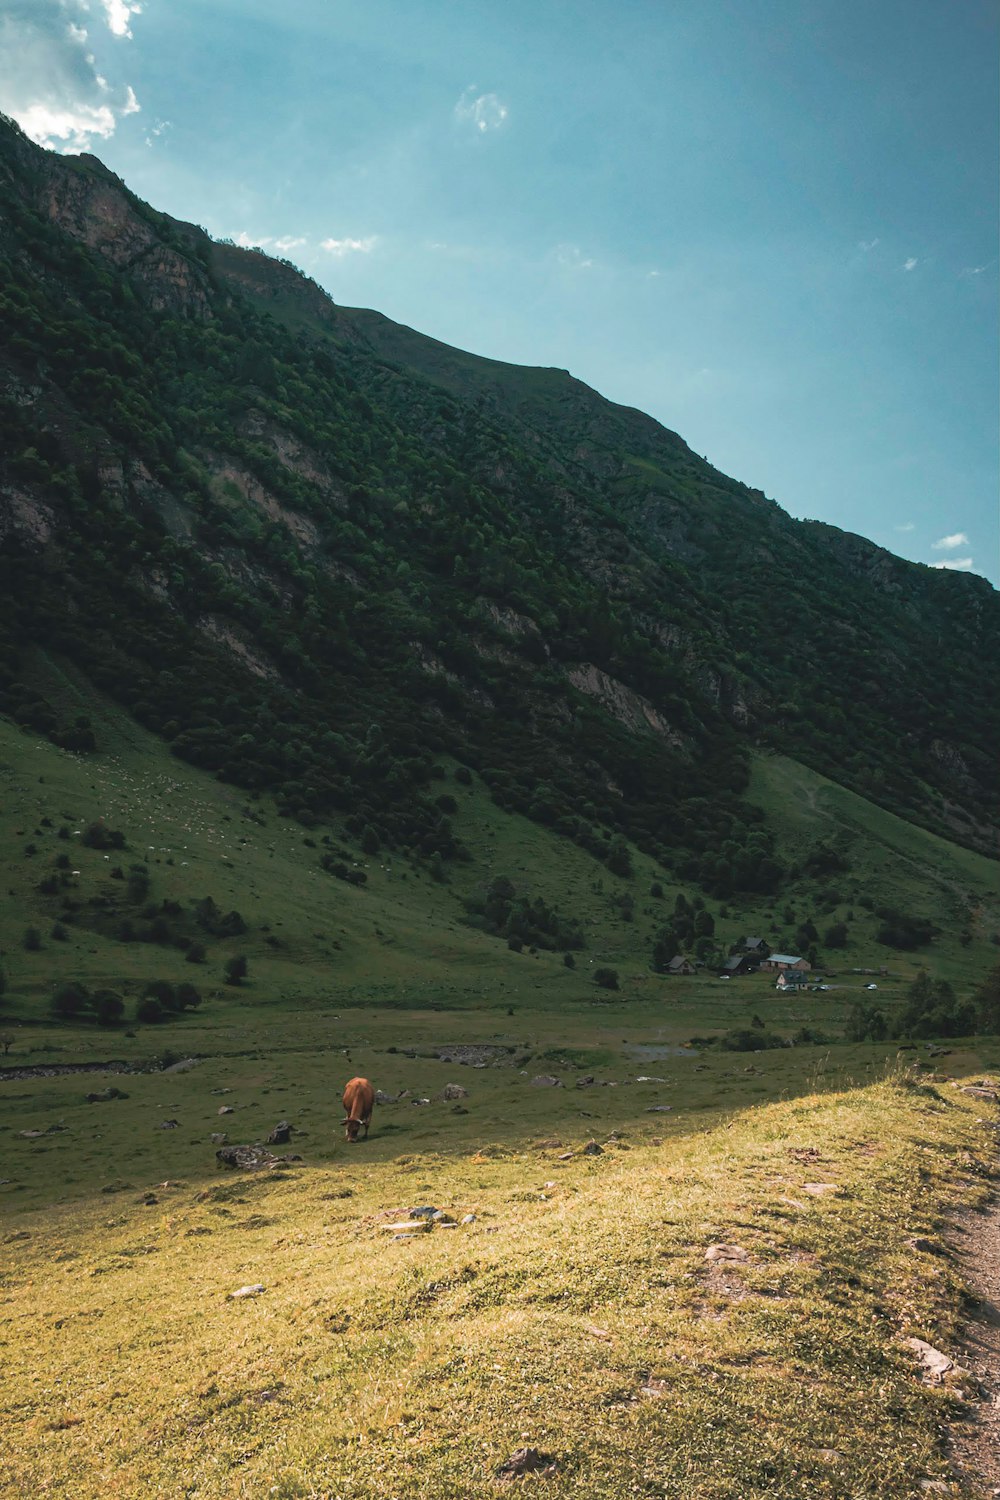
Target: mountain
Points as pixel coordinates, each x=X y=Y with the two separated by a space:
x=316 y=552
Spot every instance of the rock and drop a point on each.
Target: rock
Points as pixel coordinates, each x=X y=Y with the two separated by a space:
x=453 y=1091
x=565 y=1156
x=459 y=1109
x=281 y=1134
x=659 y=1109
x=222 y=1091
x=526 y=1461
x=419 y=1101
x=546 y=1081
x=440 y=1217
x=104 y=1095
x=644 y=1079
x=937 y=1487
x=928 y=1247
x=586 y=1083
x=249 y=1291
x=248 y=1158
x=218 y=1137
x=184 y=1066
x=383 y=1098
x=409 y=1227
x=225 y=1109
x=934 y=1365
x=820 y=1189
x=593 y=1149
x=427 y=1212
x=468 y=1218
x=168 y=1125
x=726 y=1252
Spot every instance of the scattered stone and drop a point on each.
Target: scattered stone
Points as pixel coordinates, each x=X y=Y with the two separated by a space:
x=148 y=1200
x=548 y=1143
x=219 y=1137
x=248 y=1291
x=169 y=1125
x=452 y=1091
x=103 y=1096
x=415 y=1100
x=929 y=1247
x=934 y=1365
x=659 y=1109
x=441 y=1218
x=184 y=1066
x=829 y=1455
x=595 y=1332
x=820 y=1189
x=468 y=1218
x=281 y=1134
x=546 y=1081
x=226 y=1109
x=526 y=1461
x=937 y=1487
x=198 y=1229
x=383 y=1098
x=976 y=1092
x=593 y=1149
x=459 y=1109
x=586 y=1083
x=726 y=1252
x=34 y=1135
x=249 y=1158
x=566 y=1156
x=409 y=1227
x=427 y=1212
x=655 y=1388
x=644 y=1079
x=222 y=1091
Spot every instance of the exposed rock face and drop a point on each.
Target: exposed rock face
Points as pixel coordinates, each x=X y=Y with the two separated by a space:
x=628 y=707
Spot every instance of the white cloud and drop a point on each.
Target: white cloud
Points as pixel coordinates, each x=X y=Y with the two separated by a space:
x=483 y=111
x=252 y=241
x=340 y=248
x=573 y=258
x=948 y=543
x=50 y=82
x=158 y=128
x=119 y=13
x=286 y=243
x=909 y=264
x=955 y=564
x=906 y=526
x=867 y=245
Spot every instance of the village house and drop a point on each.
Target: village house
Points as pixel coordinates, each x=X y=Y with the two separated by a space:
x=680 y=965
x=792 y=979
x=739 y=963
x=756 y=946
x=779 y=961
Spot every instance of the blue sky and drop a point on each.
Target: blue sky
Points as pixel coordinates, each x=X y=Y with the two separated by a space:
x=772 y=226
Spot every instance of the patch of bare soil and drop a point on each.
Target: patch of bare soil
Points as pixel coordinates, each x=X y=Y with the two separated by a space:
x=974 y=1445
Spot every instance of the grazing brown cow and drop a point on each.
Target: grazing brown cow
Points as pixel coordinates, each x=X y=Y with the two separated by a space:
x=359 y=1101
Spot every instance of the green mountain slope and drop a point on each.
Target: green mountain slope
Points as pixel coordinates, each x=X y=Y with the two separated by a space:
x=316 y=553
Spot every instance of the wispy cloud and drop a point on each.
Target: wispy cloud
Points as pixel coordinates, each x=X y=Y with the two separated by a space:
x=955 y=564
x=340 y=248
x=906 y=526
x=252 y=241
x=287 y=242
x=159 y=127
x=867 y=245
x=482 y=111
x=573 y=258
x=910 y=263
x=50 y=81
x=948 y=543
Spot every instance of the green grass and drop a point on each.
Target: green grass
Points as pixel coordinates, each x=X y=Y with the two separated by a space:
x=379 y=1369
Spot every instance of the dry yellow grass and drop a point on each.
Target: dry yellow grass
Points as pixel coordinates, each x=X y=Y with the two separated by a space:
x=577 y=1315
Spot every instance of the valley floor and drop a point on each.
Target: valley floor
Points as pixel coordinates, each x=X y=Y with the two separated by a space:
x=704 y=1314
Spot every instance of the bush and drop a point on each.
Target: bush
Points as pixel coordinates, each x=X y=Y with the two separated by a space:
x=986 y=1000
x=109 y=1007
x=866 y=1023
x=750 y=1039
x=606 y=978
x=149 y=1010
x=836 y=936
x=32 y=939
x=195 y=953
x=236 y=969
x=70 y=1000
x=932 y=1010
x=58 y=933
x=568 y=960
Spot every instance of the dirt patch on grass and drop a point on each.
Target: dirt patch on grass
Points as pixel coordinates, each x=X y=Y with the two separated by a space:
x=974 y=1445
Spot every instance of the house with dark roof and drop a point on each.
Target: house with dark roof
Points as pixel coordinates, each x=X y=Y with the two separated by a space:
x=757 y=946
x=680 y=965
x=792 y=979
x=739 y=963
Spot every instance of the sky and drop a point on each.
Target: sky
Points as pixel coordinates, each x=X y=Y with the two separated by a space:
x=771 y=226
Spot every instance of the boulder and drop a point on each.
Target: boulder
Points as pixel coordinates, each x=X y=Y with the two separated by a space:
x=281 y=1134
x=453 y=1091
x=248 y=1158
x=593 y=1149
x=726 y=1252
x=526 y=1461
x=546 y=1081
x=253 y=1290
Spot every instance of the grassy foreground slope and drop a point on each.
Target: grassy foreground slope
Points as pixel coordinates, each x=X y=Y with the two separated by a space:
x=577 y=1314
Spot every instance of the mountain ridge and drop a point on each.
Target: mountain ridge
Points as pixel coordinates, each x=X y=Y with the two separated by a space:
x=541 y=555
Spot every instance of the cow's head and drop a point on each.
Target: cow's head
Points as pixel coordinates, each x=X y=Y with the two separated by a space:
x=351 y=1128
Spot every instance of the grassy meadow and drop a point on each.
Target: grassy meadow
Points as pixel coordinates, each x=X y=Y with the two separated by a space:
x=576 y=1313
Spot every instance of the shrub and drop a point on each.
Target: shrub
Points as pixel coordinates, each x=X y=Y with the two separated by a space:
x=32 y=939
x=149 y=1010
x=195 y=953
x=109 y=1007
x=70 y=1000
x=606 y=978
x=932 y=1010
x=236 y=969
x=750 y=1039
x=866 y=1023
x=986 y=1000
x=568 y=960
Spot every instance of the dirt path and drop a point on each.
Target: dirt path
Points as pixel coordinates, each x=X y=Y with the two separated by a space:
x=974 y=1446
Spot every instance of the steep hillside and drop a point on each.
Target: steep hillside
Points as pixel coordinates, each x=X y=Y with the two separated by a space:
x=316 y=553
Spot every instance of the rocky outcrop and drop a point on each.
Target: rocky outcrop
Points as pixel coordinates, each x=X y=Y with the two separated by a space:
x=622 y=703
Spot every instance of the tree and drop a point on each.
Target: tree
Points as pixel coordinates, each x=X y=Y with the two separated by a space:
x=6 y=1041
x=933 y=1011
x=569 y=960
x=109 y=1007
x=836 y=936
x=606 y=978
x=987 y=1003
x=32 y=939
x=236 y=969
x=69 y=1000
